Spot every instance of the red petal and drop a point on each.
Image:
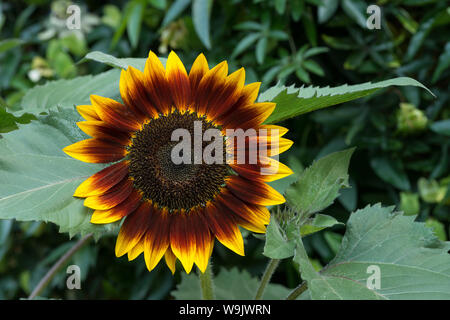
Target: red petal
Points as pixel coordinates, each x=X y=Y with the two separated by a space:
x=103 y=180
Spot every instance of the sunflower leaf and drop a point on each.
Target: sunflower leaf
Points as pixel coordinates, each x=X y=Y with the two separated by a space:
x=318 y=185
x=380 y=242
x=37 y=179
x=277 y=245
x=69 y=93
x=292 y=101
x=317 y=223
x=112 y=61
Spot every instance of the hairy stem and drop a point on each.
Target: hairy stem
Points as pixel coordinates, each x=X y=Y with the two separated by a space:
x=52 y=272
x=270 y=269
x=206 y=283
x=297 y=291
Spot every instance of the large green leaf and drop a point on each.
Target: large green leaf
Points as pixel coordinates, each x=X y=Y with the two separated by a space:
x=69 y=93
x=292 y=101
x=123 y=63
x=229 y=285
x=412 y=262
x=37 y=179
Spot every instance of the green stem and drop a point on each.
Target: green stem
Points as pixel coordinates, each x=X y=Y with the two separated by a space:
x=206 y=283
x=52 y=272
x=297 y=291
x=270 y=269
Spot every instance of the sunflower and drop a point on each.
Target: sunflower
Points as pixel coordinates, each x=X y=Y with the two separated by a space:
x=177 y=210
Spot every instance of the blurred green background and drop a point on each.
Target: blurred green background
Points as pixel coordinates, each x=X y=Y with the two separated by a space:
x=401 y=135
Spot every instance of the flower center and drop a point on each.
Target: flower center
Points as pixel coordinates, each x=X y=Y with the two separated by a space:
x=164 y=181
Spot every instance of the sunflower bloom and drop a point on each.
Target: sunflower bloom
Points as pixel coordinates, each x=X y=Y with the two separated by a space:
x=173 y=210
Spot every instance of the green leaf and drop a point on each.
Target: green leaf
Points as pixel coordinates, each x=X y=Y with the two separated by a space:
x=391 y=171
x=349 y=196
x=229 y=285
x=339 y=43
x=354 y=60
x=419 y=37
x=60 y=60
x=406 y=20
x=134 y=22
x=123 y=63
x=261 y=47
x=292 y=101
x=23 y=19
x=310 y=28
x=333 y=240
x=314 y=51
x=112 y=16
x=280 y=6
x=9 y=44
x=398 y=246
x=302 y=74
x=443 y=63
x=431 y=191
x=159 y=4
x=123 y=24
x=249 y=25
x=313 y=67
x=437 y=227
x=278 y=35
x=245 y=43
x=277 y=245
x=441 y=127
x=175 y=10
x=201 y=13
x=69 y=93
x=327 y=10
x=317 y=223
x=326 y=287
x=355 y=9
x=38 y=179
x=318 y=185
x=409 y=203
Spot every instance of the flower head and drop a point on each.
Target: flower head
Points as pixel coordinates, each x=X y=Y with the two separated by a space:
x=171 y=208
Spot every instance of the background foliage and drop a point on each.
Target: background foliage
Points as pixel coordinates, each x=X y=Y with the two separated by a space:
x=401 y=135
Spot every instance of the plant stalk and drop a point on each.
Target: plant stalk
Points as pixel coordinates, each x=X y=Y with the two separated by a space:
x=206 y=283
x=55 y=268
x=270 y=269
x=297 y=291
